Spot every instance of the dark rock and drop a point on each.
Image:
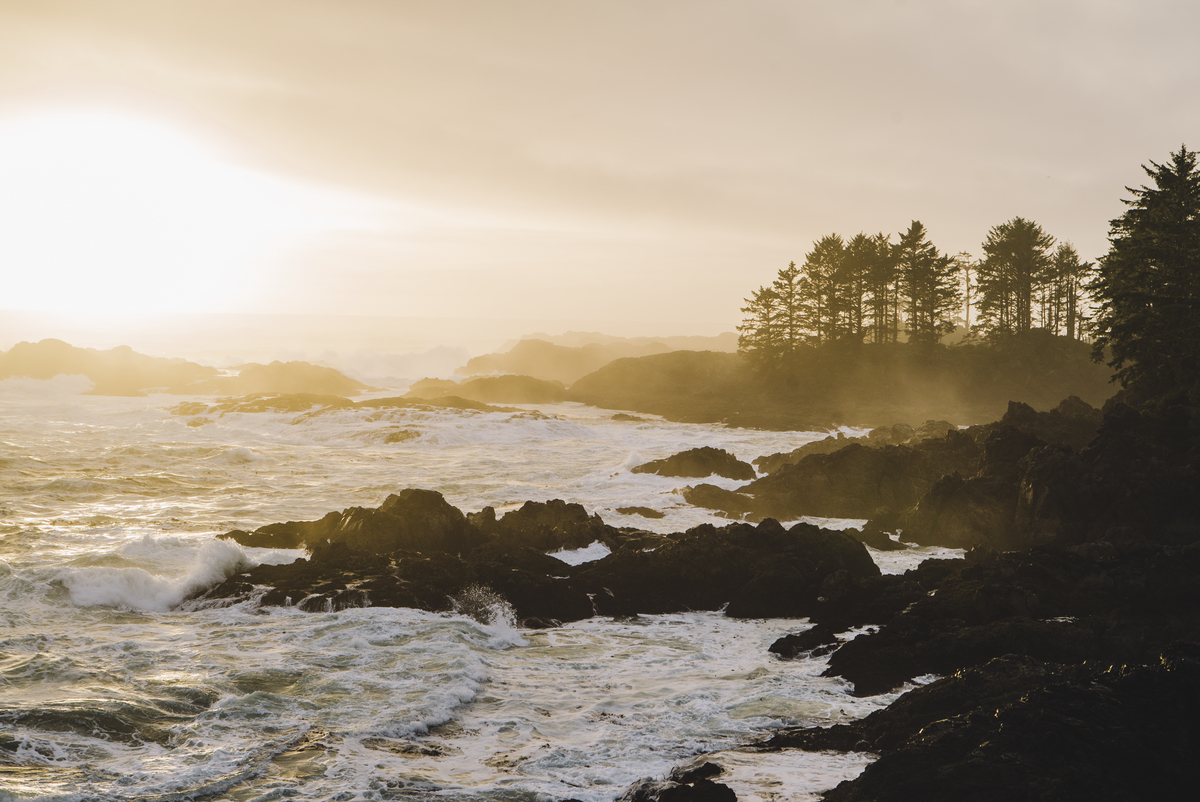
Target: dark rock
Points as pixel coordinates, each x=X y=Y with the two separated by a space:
x=1122 y=604
x=418 y=520
x=732 y=504
x=698 y=463
x=551 y=526
x=759 y=571
x=290 y=535
x=876 y=538
x=690 y=774
x=1135 y=480
x=960 y=513
x=1022 y=728
x=670 y=791
x=856 y=481
x=645 y=512
x=897 y=435
x=1073 y=422
x=804 y=642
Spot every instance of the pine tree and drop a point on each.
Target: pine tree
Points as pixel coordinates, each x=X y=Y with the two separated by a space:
x=857 y=264
x=881 y=288
x=1016 y=259
x=1148 y=284
x=760 y=335
x=1065 y=296
x=820 y=296
x=788 y=287
x=929 y=285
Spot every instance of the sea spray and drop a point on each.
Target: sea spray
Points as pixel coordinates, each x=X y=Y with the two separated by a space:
x=165 y=571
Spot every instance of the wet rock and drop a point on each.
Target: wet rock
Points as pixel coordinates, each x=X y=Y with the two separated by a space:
x=690 y=774
x=804 y=642
x=645 y=512
x=649 y=790
x=418 y=520
x=289 y=535
x=1017 y=727
x=732 y=504
x=758 y=571
x=1118 y=604
x=548 y=526
x=412 y=519
x=698 y=463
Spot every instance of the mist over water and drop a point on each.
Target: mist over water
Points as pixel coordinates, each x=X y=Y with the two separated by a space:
x=113 y=689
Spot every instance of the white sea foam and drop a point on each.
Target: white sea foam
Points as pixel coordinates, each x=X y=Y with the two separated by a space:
x=594 y=551
x=110 y=506
x=168 y=570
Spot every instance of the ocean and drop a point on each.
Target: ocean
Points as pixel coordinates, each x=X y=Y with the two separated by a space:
x=114 y=687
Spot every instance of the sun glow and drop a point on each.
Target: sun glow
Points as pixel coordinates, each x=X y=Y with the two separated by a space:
x=103 y=213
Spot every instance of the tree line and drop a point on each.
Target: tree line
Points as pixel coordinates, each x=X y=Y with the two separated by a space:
x=870 y=289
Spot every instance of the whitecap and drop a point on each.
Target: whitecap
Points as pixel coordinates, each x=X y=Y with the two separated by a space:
x=175 y=571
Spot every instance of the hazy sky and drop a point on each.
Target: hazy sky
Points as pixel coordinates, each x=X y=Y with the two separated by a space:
x=645 y=163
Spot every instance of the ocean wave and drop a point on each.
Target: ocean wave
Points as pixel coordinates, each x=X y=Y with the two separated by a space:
x=176 y=569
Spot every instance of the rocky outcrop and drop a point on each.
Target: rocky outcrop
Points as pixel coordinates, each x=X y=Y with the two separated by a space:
x=1133 y=481
x=862 y=384
x=1018 y=727
x=1070 y=667
x=417 y=520
x=694 y=785
x=416 y=550
x=548 y=526
x=758 y=571
x=698 y=463
x=856 y=481
x=1117 y=603
x=900 y=434
x=729 y=503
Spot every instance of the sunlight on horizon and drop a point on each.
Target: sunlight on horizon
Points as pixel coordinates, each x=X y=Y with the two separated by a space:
x=107 y=213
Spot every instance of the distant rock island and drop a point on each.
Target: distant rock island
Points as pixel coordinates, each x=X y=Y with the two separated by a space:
x=571 y=356
x=122 y=371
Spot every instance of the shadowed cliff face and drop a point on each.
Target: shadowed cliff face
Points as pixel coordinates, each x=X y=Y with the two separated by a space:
x=1070 y=666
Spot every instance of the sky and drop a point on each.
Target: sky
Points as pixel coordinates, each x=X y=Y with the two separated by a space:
x=637 y=167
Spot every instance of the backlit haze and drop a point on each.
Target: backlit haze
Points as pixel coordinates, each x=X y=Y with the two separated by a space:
x=312 y=180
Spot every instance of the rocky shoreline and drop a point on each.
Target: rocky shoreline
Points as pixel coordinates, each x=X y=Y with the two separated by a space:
x=1065 y=642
